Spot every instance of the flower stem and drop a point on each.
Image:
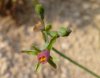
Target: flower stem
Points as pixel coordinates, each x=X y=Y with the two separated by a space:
x=74 y=62
x=45 y=36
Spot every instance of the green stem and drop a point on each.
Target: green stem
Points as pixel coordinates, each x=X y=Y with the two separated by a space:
x=74 y=62
x=45 y=36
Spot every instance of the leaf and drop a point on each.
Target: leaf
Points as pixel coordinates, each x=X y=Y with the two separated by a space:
x=36 y=49
x=64 y=31
x=37 y=66
x=31 y=52
x=52 y=41
x=50 y=61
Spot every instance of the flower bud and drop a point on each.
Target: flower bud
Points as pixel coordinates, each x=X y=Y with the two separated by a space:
x=48 y=27
x=64 y=32
x=40 y=10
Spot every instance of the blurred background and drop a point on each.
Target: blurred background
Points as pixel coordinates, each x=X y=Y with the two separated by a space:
x=17 y=20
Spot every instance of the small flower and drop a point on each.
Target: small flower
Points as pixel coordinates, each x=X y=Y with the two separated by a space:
x=43 y=56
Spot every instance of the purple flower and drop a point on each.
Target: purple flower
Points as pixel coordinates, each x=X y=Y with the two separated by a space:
x=43 y=56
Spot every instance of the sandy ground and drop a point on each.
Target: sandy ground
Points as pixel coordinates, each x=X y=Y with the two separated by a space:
x=83 y=44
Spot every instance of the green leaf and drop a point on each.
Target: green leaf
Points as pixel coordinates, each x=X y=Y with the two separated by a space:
x=48 y=27
x=53 y=33
x=50 y=61
x=37 y=66
x=36 y=49
x=64 y=31
x=40 y=10
x=31 y=52
x=52 y=41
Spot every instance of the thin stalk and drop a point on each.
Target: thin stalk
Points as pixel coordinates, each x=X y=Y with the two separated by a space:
x=45 y=36
x=75 y=63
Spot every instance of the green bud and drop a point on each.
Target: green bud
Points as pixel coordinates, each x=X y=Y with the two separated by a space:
x=40 y=10
x=48 y=27
x=64 y=32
